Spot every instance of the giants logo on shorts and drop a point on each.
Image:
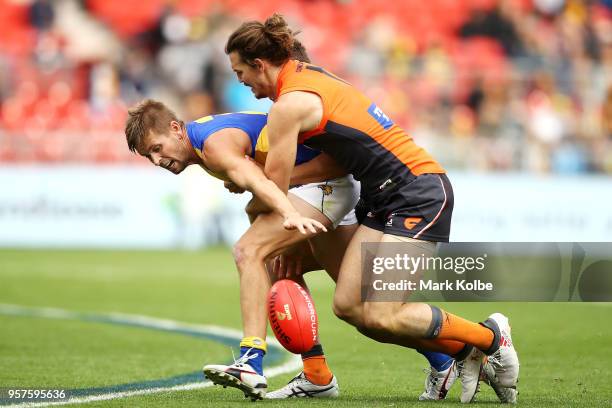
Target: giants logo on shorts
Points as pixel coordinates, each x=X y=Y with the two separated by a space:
x=411 y=222
x=327 y=189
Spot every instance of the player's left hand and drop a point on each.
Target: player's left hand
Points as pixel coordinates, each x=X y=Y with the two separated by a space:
x=287 y=266
x=303 y=224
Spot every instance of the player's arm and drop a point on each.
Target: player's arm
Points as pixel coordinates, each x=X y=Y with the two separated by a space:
x=292 y=113
x=321 y=168
x=224 y=152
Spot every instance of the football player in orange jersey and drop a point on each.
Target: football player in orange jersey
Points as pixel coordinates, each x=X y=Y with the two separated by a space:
x=218 y=143
x=407 y=193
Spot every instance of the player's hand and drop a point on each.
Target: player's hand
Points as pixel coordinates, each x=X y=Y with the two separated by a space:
x=303 y=224
x=287 y=266
x=233 y=188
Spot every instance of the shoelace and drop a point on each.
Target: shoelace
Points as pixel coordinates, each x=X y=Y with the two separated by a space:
x=301 y=378
x=460 y=367
x=432 y=379
x=495 y=361
x=243 y=359
x=297 y=380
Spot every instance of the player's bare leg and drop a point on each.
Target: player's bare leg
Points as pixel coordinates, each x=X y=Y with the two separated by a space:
x=401 y=323
x=317 y=379
x=347 y=297
x=329 y=248
x=264 y=239
x=408 y=324
x=390 y=322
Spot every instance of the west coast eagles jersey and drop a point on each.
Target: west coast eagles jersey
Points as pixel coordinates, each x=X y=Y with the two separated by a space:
x=254 y=124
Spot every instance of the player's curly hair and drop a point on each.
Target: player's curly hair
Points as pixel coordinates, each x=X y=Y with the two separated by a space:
x=148 y=115
x=271 y=40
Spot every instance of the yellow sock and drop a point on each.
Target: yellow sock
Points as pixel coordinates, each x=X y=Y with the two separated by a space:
x=254 y=342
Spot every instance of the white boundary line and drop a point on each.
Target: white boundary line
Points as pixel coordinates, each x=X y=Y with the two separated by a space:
x=293 y=364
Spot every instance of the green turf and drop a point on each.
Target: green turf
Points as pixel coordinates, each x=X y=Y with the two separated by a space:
x=45 y=353
x=564 y=348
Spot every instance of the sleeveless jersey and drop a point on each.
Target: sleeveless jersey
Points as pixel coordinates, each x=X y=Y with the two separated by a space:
x=357 y=134
x=252 y=123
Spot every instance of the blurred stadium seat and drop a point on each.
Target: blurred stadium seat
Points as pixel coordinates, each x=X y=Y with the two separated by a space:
x=424 y=61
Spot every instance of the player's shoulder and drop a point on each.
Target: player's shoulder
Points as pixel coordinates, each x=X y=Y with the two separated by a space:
x=247 y=121
x=223 y=146
x=220 y=119
x=296 y=103
x=221 y=138
x=298 y=70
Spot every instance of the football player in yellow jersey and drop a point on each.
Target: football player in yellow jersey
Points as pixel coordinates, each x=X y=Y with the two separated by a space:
x=233 y=147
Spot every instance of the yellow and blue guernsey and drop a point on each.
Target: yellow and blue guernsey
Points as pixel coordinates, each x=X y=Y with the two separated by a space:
x=253 y=124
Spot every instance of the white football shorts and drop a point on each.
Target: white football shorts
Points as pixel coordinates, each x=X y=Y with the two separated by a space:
x=335 y=198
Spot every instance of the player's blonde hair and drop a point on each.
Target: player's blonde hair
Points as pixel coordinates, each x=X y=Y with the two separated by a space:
x=148 y=115
x=271 y=40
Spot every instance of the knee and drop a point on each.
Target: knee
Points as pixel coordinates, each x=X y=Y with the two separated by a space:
x=347 y=311
x=246 y=253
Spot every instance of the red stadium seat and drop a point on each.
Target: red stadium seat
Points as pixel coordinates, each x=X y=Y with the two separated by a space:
x=128 y=17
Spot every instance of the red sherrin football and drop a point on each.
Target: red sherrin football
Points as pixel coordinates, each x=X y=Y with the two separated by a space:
x=293 y=317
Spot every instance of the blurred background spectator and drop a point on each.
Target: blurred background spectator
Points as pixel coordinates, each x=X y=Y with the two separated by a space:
x=486 y=85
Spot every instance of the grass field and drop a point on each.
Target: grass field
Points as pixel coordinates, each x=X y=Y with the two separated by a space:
x=564 y=348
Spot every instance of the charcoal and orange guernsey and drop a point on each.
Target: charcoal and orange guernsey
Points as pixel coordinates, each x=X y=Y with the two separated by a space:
x=254 y=124
x=380 y=154
x=348 y=113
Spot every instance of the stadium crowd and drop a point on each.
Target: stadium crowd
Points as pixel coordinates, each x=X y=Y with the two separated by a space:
x=486 y=85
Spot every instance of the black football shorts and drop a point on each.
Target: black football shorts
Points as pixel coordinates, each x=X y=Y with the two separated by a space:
x=421 y=209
